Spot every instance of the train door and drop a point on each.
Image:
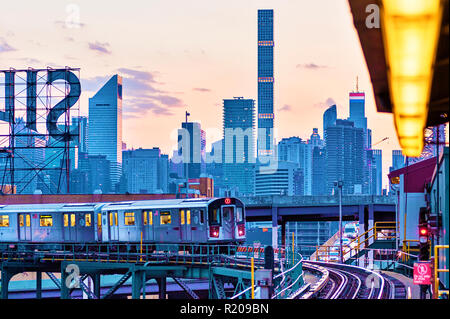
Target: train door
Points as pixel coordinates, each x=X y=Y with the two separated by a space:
x=99 y=227
x=24 y=227
x=113 y=226
x=147 y=222
x=228 y=221
x=69 y=227
x=165 y=226
x=198 y=225
x=185 y=224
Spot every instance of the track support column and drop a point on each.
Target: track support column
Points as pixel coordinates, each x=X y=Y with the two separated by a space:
x=162 y=284
x=136 y=284
x=274 y=226
x=38 y=285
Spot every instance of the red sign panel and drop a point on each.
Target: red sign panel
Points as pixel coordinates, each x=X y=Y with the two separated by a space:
x=422 y=273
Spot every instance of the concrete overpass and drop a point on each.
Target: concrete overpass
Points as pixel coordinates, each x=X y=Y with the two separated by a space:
x=367 y=209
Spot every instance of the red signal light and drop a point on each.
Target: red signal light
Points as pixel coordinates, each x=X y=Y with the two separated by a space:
x=227 y=201
x=423 y=231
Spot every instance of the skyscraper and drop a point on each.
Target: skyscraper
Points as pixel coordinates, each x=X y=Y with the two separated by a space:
x=345 y=156
x=357 y=102
x=398 y=160
x=146 y=170
x=238 y=144
x=378 y=157
x=80 y=124
x=265 y=83
x=329 y=117
x=105 y=125
x=192 y=148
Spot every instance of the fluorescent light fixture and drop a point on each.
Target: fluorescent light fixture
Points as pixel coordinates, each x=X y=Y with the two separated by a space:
x=411 y=31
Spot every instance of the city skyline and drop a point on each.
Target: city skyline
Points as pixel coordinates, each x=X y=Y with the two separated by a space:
x=309 y=76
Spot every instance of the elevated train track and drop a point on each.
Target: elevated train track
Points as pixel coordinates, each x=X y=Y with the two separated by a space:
x=339 y=281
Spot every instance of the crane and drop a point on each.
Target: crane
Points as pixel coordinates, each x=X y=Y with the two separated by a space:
x=384 y=139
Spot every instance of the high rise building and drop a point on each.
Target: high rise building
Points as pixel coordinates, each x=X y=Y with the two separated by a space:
x=329 y=117
x=276 y=182
x=214 y=166
x=294 y=150
x=398 y=160
x=345 y=156
x=145 y=170
x=192 y=148
x=378 y=160
x=105 y=125
x=96 y=168
x=80 y=124
x=238 y=145
x=265 y=83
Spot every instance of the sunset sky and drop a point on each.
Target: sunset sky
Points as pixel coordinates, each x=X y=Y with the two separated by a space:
x=177 y=55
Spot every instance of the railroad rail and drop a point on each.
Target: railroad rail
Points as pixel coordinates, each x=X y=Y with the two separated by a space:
x=338 y=281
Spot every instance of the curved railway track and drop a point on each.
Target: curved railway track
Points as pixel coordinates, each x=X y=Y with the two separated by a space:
x=350 y=282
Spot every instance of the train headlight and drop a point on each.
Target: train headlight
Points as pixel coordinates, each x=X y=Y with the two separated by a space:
x=241 y=230
x=214 y=231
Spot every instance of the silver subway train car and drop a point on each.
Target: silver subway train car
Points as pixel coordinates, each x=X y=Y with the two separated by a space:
x=172 y=221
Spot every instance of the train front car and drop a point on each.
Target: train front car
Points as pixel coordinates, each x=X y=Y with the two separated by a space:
x=226 y=221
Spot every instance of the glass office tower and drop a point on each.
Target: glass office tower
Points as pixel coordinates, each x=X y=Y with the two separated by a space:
x=105 y=125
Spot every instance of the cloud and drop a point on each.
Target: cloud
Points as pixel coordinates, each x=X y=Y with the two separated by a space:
x=311 y=66
x=141 y=93
x=5 y=47
x=285 y=107
x=329 y=102
x=201 y=89
x=100 y=47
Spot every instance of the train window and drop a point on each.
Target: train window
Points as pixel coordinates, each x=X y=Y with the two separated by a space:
x=21 y=224
x=215 y=216
x=72 y=220
x=87 y=219
x=129 y=219
x=46 y=220
x=66 y=220
x=188 y=217
x=27 y=220
x=165 y=218
x=4 y=220
x=150 y=217
x=202 y=216
x=115 y=218
x=239 y=215
x=111 y=219
x=99 y=220
x=227 y=213
x=182 y=216
x=144 y=217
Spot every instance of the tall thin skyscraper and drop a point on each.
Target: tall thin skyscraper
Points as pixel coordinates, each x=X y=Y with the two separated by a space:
x=105 y=125
x=265 y=83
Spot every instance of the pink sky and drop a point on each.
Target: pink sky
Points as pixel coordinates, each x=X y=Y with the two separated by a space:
x=177 y=55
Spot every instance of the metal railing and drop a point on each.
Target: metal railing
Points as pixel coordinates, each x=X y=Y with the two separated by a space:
x=437 y=270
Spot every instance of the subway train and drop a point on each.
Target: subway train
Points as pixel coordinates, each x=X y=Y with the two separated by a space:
x=172 y=221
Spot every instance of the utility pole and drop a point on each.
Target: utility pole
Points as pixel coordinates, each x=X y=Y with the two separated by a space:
x=187 y=161
x=339 y=185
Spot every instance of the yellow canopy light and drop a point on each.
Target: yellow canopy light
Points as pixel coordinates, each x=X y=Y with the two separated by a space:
x=410 y=33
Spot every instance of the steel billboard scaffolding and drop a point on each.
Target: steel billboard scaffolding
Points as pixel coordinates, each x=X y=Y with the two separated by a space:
x=36 y=133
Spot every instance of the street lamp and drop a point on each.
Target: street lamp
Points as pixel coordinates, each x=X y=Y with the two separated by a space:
x=339 y=185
